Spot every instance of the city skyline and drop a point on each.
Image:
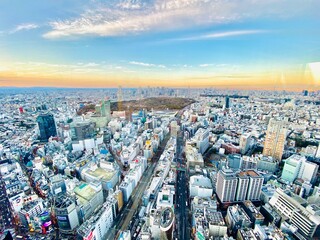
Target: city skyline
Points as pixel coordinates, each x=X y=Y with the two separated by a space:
x=172 y=43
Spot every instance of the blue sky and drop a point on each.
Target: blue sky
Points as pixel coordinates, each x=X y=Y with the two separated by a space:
x=153 y=40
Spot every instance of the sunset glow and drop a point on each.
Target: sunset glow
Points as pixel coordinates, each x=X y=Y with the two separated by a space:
x=184 y=43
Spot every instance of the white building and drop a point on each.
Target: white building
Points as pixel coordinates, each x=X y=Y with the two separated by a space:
x=98 y=225
x=200 y=186
x=165 y=197
x=244 y=143
x=289 y=206
x=308 y=171
x=297 y=166
x=193 y=157
x=127 y=187
x=129 y=153
x=226 y=185
x=174 y=128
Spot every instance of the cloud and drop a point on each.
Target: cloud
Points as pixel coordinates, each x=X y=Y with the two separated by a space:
x=147 y=64
x=114 y=18
x=220 y=35
x=24 y=27
x=206 y=65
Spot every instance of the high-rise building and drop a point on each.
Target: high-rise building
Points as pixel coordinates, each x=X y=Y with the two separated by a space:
x=305 y=219
x=174 y=128
x=66 y=213
x=227 y=103
x=244 y=143
x=82 y=130
x=275 y=139
x=291 y=168
x=305 y=92
x=89 y=196
x=200 y=186
x=98 y=225
x=234 y=161
x=106 y=109
x=58 y=185
x=226 y=185
x=255 y=185
x=237 y=218
x=232 y=187
x=308 y=171
x=248 y=163
x=266 y=163
x=47 y=126
x=242 y=187
x=297 y=166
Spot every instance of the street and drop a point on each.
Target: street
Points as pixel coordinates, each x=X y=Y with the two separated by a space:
x=182 y=196
x=6 y=215
x=122 y=222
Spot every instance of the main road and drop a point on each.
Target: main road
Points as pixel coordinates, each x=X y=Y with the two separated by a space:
x=182 y=196
x=122 y=221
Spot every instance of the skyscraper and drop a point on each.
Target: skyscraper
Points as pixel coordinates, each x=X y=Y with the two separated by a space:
x=105 y=110
x=275 y=139
x=255 y=185
x=232 y=187
x=227 y=102
x=226 y=185
x=242 y=188
x=244 y=143
x=47 y=126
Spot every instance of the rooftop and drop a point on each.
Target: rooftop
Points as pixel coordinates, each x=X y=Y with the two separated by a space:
x=102 y=173
x=84 y=192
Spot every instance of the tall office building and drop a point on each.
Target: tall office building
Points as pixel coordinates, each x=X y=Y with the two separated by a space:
x=226 y=185
x=242 y=187
x=227 y=103
x=292 y=167
x=234 y=161
x=297 y=166
x=105 y=109
x=255 y=185
x=174 y=129
x=82 y=130
x=232 y=187
x=291 y=207
x=244 y=143
x=47 y=126
x=275 y=139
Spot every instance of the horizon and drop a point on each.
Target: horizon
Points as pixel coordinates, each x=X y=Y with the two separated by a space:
x=169 y=43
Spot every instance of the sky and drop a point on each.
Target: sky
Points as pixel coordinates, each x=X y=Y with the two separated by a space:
x=247 y=44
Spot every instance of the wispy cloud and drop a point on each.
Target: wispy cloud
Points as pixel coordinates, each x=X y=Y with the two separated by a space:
x=143 y=64
x=219 y=35
x=24 y=27
x=119 y=18
x=204 y=65
x=44 y=68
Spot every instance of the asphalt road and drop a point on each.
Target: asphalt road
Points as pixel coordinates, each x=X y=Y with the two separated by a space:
x=6 y=217
x=182 y=196
x=123 y=220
